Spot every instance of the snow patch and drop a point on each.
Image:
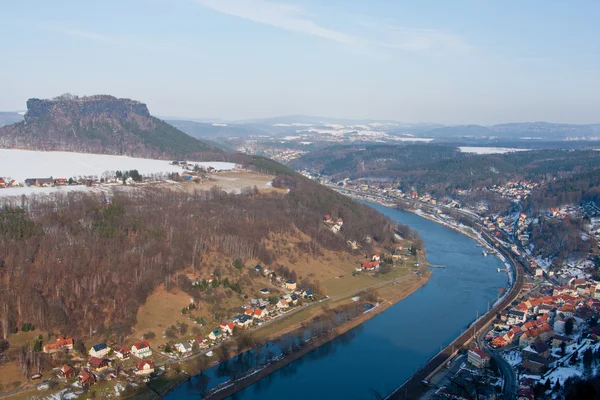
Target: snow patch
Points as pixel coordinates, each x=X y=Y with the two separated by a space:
x=22 y=164
x=489 y=150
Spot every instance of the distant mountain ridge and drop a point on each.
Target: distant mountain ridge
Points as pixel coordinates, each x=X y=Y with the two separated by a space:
x=98 y=124
x=7 y=117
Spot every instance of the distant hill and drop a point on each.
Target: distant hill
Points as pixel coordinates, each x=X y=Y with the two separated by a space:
x=372 y=160
x=98 y=124
x=7 y=118
x=547 y=130
x=204 y=130
x=542 y=130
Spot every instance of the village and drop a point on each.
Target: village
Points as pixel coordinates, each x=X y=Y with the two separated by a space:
x=190 y=173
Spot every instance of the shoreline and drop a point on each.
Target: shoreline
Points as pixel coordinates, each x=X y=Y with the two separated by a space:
x=230 y=388
x=512 y=286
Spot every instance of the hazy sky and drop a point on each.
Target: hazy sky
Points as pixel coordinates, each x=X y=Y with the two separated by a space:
x=447 y=61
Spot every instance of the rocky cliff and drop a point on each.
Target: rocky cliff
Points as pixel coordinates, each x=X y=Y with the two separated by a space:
x=98 y=124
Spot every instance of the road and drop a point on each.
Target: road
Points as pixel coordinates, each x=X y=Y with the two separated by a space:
x=507 y=371
x=413 y=387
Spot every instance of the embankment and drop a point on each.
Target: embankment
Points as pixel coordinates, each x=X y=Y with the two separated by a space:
x=230 y=388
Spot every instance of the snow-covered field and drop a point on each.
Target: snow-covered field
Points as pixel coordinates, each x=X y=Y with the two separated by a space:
x=23 y=164
x=489 y=150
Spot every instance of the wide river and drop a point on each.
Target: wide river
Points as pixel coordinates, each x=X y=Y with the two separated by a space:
x=377 y=356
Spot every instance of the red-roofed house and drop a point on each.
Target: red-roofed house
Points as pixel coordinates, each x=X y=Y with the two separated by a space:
x=141 y=349
x=478 y=358
x=144 y=367
x=122 y=352
x=86 y=379
x=260 y=313
x=60 y=344
x=66 y=372
x=227 y=327
x=370 y=266
x=98 y=364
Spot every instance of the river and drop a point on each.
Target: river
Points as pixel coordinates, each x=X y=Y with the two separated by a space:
x=377 y=356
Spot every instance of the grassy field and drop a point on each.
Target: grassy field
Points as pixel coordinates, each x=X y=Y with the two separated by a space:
x=235 y=181
x=10 y=375
x=348 y=282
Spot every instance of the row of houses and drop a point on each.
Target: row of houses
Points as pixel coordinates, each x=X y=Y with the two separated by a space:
x=88 y=375
x=4 y=183
x=140 y=350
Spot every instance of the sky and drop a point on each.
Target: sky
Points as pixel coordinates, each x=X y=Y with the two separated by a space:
x=452 y=62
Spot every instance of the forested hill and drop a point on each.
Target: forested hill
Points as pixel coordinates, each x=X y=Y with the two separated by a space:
x=77 y=262
x=372 y=160
x=442 y=168
x=98 y=124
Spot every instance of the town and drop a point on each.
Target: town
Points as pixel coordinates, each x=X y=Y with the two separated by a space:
x=549 y=335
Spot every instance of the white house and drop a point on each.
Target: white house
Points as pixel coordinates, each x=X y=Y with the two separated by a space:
x=282 y=304
x=99 y=351
x=227 y=327
x=214 y=334
x=141 y=349
x=184 y=347
x=260 y=313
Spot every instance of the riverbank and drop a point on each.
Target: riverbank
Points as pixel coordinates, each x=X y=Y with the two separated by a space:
x=390 y=292
x=230 y=388
x=412 y=387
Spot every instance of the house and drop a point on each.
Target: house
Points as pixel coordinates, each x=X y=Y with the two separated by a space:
x=86 y=379
x=184 y=347
x=61 y=181
x=122 y=353
x=340 y=222
x=515 y=317
x=264 y=291
x=144 y=367
x=370 y=265
x=260 y=313
x=99 y=350
x=141 y=349
x=478 y=358
x=42 y=182
x=227 y=327
x=258 y=268
x=245 y=321
x=536 y=357
x=307 y=293
x=567 y=310
x=327 y=219
x=214 y=334
x=542 y=332
x=294 y=299
x=335 y=228
x=282 y=304
x=376 y=257
x=66 y=372
x=558 y=340
x=98 y=364
x=290 y=284
x=2 y=183
x=60 y=344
